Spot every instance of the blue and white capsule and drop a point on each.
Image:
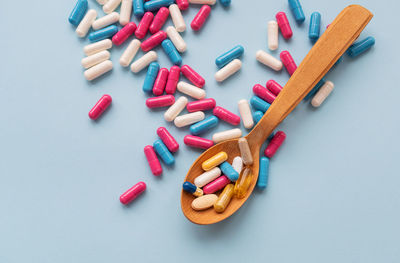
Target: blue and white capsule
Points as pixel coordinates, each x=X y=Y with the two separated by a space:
x=225 y=3
x=297 y=11
x=154 y=5
x=229 y=56
x=152 y=72
x=263 y=173
x=228 y=170
x=360 y=47
x=172 y=52
x=259 y=104
x=107 y=32
x=315 y=26
x=315 y=89
x=204 y=125
x=257 y=115
x=163 y=152
x=191 y=188
x=78 y=12
x=138 y=7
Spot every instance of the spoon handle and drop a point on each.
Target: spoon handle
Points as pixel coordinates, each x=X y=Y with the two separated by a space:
x=329 y=48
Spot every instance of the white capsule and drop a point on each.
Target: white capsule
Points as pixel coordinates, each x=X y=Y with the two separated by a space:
x=227 y=135
x=105 y=21
x=187 y=119
x=204 y=202
x=245 y=151
x=144 y=61
x=203 y=2
x=98 y=70
x=237 y=164
x=97 y=47
x=269 y=60
x=191 y=90
x=102 y=2
x=125 y=12
x=245 y=113
x=228 y=70
x=177 y=18
x=86 y=23
x=175 y=109
x=322 y=94
x=129 y=53
x=176 y=38
x=273 y=35
x=111 y=5
x=207 y=177
x=95 y=59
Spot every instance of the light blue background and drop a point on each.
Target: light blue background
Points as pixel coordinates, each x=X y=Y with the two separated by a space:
x=333 y=193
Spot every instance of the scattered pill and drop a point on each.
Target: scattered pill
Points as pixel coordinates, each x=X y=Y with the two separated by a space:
x=101 y=2
x=95 y=59
x=138 y=7
x=297 y=11
x=187 y=119
x=284 y=25
x=227 y=135
x=268 y=60
x=153 y=41
x=315 y=25
x=273 y=39
x=264 y=93
x=193 y=76
x=197 y=142
x=154 y=5
x=111 y=5
x=182 y=4
x=224 y=198
x=360 y=47
x=78 y=12
x=176 y=38
x=237 y=164
x=201 y=105
x=216 y=185
x=257 y=116
x=225 y=3
x=245 y=151
x=171 y=52
x=191 y=90
x=274 y=87
x=173 y=79
x=228 y=70
x=163 y=152
x=259 y=104
x=159 y=20
x=191 y=188
x=243 y=183
x=86 y=23
x=228 y=170
x=288 y=62
x=200 y=18
x=177 y=18
x=274 y=144
x=263 y=173
x=129 y=53
x=214 y=161
x=168 y=139
x=98 y=70
x=229 y=55
x=160 y=101
x=100 y=107
x=207 y=177
x=125 y=13
x=122 y=35
x=144 y=25
x=106 y=20
x=161 y=80
x=144 y=61
x=245 y=113
x=315 y=89
x=175 y=109
x=204 y=202
x=103 y=33
x=203 y=2
x=322 y=94
x=151 y=76
x=97 y=47
x=204 y=125
x=132 y=193
x=153 y=161
x=226 y=115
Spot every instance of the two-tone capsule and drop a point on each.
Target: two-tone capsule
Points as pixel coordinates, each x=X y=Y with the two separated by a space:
x=191 y=188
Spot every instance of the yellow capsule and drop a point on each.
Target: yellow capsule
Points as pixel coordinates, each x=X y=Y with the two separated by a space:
x=214 y=161
x=243 y=183
x=224 y=199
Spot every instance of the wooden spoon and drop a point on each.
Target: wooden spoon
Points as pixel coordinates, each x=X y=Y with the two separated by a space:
x=330 y=47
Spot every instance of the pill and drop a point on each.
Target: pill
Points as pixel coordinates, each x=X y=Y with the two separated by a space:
x=144 y=61
x=154 y=5
x=224 y=198
x=225 y=3
x=159 y=83
x=106 y=20
x=322 y=94
x=245 y=113
x=214 y=161
x=122 y=35
x=153 y=41
x=201 y=105
x=163 y=152
x=243 y=183
x=191 y=188
x=129 y=53
x=187 y=119
x=193 y=76
x=207 y=177
x=228 y=70
x=173 y=79
x=245 y=151
x=229 y=55
x=268 y=60
x=263 y=173
x=144 y=25
x=175 y=109
x=160 y=101
x=125 y=12
x=100 y=107
x=204 y=125
x=97 y=47
x=153 y=161
x=197 y=142
x=229 y=171
x=182 y=4
x=191 y=90
x=176 y=38
x=203 y=2
x=103 y=33
x=288 y=62
x=159 y=20
x=227 y=135
x=259 y=104
x=200 y=18
x=171 y=52
x=216 y=185
x=177 y=18
x=315 y=89
x=168 y=139
x=98 y=70
x=360 y=47
x=273 y=39
x=274 y=87
x=226 y=115
x=297 y=11
x=132 y=193
x=315 y=24
x=257 y=116
x=204 y=202
x=78 y=12
x=85 y=24
x=237 y=164
x=101 y=2
x=138 y=7
x=95 y=59
x=284 y=25
x=274 y=144
x=264 y=93
x=151 y=76
x=110 y=6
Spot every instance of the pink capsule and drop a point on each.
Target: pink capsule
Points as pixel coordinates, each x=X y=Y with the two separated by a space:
x=216 y=185
x=201 y=105
x=168 y=139
x=153 y=41
x=197 y=142
x=124 y=33
x=274 y=144
x=182 y=4
x=161 y=101
x=159 y=83
x=100 y=107
x=132 y=193
x=226 y=115
x=173 y=79
x=200 y=18
x=159 y=20
x=153 y=161
x=274 y=87
x=264 y=93
x=288 y=61
x=284 y=25
x=193 y=76
x=144 y=25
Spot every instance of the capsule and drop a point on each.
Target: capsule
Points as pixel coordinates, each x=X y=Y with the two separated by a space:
x=159 y=83
x=228 y=70
x=173 y=79
x=187 y=119
x=268 y=60
x=204 y=125
x=197 y=142
x=273 y=38
x=297 y=11
x=171 y=52
x=315 y=25
x=168 y=139
x=226 y=115
x=106 y=20
x=207 y=177
x=191 y=90
x=360 y=47
x=177 y=18
x=259 y=104
x=228 y=170
x=288 y=61
x=97 y=47
x=315 y=89
x=201 y=105
x=154 y=5
x=144 y=25
x=103 y=33
x=111 y=5
x=229 y=55
x=322 y=94
x=216 y=185
x=204 y=202
x=227 y=135
x=274 y=144
x=214 y=161
x=245 y=113
x=203 y=2
x=263 y=93
x=78 y=12
x=101 y=2
x=191 y=188
x=237 y=164
x=129 y=53
x=153 y=41
x=95 y=59
x=175 y=109
x=153 y=161
x=263 y=173
x=138 y=7
x=245 y=151
x=125 y=13
x=163 y=152
x=193 y=76
x=98 y=70
x=257 y=116
x=100 y=107
x=274 y=87
x=225 y=3
x=182 y=4
x=151 y=76
x=176 y=38
x=200 y=18
x=124 y=33
x=159 y=20
x=160 y=101
x=85 y=24
x=144 y=61
x=224 y=199
x=243 y=183
x=284 y=25
x=132 y=193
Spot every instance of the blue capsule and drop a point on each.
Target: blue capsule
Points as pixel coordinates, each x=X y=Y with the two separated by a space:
x=257 y=115
x=228 y=170
x=315 y=89
x=78 y=12
x=360 y=47
x=228 y=56
x=163 y=152
x=297 y=11
x=315 y=26
x=225 y=2
x=203 y=125
x=171 y=51
x=154 y=5
x=189 y=187
x=259 y=104
x=151 y=76
x=263 y=173
x=103 y=33
x=138 y=7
